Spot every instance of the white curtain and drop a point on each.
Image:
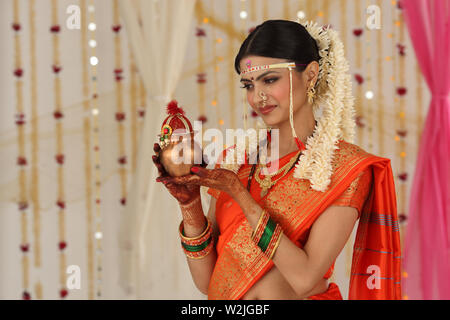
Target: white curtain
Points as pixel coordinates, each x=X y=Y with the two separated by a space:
x=152 y=265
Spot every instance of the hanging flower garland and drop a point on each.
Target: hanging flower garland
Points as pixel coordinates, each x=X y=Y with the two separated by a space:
x=215 y=41
x=120 y=114
x=90 y=107
x=380 y=82
x=201 y=74
x=369 y=91
x=35 y=198
x=358 y=38
x=402 y=91
x=59 y=157
x=18 y=73
x=133 y=110
x=142 y=99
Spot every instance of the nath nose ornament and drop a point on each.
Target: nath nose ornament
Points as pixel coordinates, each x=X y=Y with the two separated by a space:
x=264 y=97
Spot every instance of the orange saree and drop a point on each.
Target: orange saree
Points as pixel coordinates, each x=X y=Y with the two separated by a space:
x=360 y=180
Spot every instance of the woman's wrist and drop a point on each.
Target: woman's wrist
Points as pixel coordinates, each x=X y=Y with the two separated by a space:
x=193 y=217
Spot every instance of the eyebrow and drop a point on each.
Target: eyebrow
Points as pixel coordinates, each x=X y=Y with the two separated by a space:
x=262 y=75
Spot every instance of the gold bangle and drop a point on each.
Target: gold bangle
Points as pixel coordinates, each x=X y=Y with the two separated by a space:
x=259 y=230
x=186 y=239
x=259 y=221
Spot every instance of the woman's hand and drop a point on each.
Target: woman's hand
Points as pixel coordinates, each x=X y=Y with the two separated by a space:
x=220 y=179
x=183 y=193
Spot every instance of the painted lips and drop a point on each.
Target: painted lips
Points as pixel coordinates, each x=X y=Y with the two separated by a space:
x=267 y=109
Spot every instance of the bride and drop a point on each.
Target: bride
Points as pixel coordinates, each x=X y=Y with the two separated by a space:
x=277 y=236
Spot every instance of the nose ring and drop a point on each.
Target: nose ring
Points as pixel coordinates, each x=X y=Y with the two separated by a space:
x=263 y=96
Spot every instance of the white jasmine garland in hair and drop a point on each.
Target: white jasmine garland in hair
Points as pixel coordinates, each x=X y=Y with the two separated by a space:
x=334 y=92
x=329 y=128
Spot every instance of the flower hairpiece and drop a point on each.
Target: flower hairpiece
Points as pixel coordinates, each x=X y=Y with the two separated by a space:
x=334 y=93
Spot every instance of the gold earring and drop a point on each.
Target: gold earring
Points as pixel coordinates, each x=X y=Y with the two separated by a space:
x=311 y=93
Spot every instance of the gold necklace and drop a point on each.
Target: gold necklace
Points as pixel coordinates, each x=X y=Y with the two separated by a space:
x=267 y=182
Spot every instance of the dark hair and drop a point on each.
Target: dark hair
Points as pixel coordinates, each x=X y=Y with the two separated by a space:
x=281 y=39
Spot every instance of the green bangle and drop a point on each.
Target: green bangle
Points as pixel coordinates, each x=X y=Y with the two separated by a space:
x=267 y=235
x=197 y=248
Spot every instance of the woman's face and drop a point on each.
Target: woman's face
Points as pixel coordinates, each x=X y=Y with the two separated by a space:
x=274 y=83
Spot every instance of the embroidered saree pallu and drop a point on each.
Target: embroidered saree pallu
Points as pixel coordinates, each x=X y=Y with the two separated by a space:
x=359 y=180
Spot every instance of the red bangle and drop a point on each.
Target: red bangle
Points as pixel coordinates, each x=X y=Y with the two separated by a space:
x=262 y=222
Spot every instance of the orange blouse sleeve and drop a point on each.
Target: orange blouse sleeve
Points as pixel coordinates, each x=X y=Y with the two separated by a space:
x=356 y=194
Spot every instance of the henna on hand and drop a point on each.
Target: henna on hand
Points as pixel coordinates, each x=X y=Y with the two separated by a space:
x=193 y=215
x=183 y=193
x=220 y=179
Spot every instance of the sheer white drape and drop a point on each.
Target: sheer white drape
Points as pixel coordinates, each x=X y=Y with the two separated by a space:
x=152 y=265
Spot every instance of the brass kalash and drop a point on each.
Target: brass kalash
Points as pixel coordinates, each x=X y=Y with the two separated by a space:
x=177 y=142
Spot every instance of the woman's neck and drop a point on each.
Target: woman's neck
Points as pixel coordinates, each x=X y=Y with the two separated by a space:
x=304 y=127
